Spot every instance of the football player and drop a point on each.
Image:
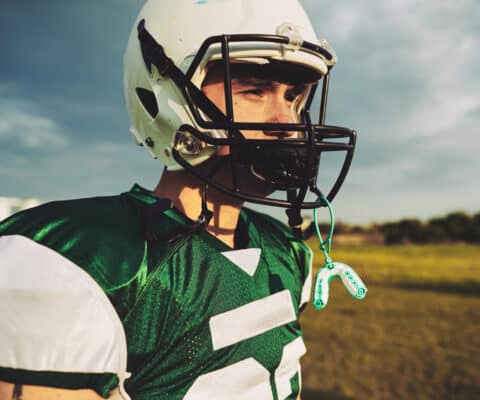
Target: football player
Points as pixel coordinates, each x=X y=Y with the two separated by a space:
x=181 y=292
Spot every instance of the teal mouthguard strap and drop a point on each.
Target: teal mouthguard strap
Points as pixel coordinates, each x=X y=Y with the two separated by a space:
x=351 y=281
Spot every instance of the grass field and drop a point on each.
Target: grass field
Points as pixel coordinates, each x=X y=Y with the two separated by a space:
x=415 y=336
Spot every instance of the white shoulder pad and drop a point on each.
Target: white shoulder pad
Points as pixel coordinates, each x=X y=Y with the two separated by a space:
x=54 y=316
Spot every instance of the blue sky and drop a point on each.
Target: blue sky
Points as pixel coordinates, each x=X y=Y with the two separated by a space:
x=407 y=81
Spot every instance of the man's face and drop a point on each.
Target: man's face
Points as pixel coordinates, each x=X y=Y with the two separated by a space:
x=257 y=100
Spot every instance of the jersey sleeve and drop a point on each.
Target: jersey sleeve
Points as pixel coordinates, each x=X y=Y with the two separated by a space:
x=58 y=327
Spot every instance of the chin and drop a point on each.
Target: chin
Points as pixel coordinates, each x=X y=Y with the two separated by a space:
x=253 y=184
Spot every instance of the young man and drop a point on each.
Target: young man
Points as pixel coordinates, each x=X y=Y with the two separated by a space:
x=192 y=294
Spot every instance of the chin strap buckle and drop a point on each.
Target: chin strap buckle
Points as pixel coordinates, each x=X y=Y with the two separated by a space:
x=295 y=39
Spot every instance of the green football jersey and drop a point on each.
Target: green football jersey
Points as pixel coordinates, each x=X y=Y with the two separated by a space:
x=201 y=320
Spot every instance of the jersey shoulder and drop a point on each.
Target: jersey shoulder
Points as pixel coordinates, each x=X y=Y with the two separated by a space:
x=102 y=235
x=58 y=263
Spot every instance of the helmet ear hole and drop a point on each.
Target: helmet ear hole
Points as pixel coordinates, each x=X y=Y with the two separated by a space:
x=149 y=103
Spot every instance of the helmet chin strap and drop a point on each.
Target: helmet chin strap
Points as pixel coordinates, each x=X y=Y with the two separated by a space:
x=295 y=219
x=199 y=225
x=205 y=214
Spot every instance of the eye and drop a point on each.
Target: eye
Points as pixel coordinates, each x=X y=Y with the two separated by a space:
x=295 y=93
x=256 y=92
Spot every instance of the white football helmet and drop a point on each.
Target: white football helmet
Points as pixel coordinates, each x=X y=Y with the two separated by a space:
x=169 y=51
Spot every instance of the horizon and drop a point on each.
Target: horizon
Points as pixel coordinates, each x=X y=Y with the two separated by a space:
x=11 y=205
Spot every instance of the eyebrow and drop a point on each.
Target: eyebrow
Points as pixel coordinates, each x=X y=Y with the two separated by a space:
x=263 y=83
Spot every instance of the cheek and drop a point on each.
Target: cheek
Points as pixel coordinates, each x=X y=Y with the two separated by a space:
x=248 y=112
x=215 y=94
x=238 y=111
x=245 y=111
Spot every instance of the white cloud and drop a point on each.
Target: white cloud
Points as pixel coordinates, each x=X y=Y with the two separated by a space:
x=440 y=53
x=414 y=63
x=81 y=170
x=343 y=21
x=29 y=129
x=407 y=80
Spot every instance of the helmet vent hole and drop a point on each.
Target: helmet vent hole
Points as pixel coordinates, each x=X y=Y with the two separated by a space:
x=147 y=98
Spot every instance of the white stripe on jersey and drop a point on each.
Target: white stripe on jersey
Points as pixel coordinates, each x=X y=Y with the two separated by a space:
x=307 y=285
x=245 y=259
x=252 y=319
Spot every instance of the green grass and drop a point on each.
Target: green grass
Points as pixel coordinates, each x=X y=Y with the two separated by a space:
x=415 y=336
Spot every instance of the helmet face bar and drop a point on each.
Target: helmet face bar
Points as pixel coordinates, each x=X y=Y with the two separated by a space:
x=289 y=165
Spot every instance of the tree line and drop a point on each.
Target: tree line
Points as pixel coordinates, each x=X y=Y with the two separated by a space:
x=454 y=227
x=457 y=226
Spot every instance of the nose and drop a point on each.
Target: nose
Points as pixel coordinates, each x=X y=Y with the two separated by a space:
x=281 y=112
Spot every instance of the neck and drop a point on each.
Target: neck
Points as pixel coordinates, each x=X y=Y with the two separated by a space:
x=185 y=192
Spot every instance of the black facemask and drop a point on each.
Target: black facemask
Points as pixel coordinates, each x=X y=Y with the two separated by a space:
x=289 y=165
